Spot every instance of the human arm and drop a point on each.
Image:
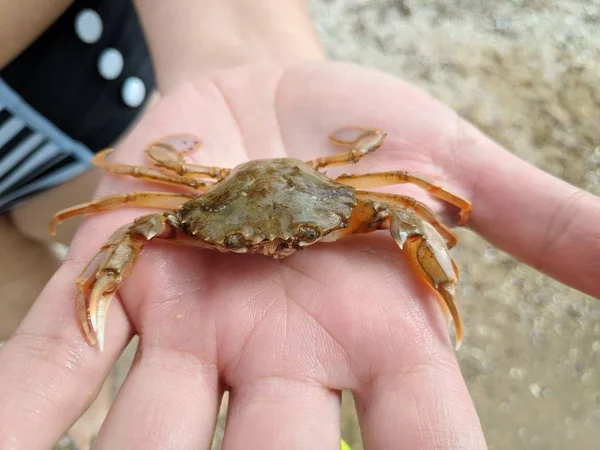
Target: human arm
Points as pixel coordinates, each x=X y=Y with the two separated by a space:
x=188 y=36
x=21 y=22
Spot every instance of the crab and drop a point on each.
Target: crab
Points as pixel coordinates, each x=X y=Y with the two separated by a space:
x=273 y=207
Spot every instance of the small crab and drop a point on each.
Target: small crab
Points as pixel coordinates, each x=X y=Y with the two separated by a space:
x=274 y=207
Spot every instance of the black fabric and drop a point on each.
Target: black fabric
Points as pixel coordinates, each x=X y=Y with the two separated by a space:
x=58 y=76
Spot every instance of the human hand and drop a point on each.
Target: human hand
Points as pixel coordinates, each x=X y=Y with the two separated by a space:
x=286 y=336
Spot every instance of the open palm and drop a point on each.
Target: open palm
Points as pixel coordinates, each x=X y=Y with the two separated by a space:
x=286 y=336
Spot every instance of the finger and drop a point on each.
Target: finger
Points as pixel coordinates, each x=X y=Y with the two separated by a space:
x=169 y=400
x=281 y=413
x=171 y=395
x=547 y=223
x=538 y=218
x=419 y=407
x=49 y=375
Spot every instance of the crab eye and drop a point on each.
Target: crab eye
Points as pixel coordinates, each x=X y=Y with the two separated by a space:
x=307 y=233
x=235 y=240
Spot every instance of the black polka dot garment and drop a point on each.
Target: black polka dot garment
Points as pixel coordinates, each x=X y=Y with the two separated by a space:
x=71 y=93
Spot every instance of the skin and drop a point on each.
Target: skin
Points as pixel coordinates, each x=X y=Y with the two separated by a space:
x=285 y=336
x=22 y=22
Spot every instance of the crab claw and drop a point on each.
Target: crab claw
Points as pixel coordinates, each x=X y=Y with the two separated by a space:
x=429 y=255
x=100 y=280
x=97 y=305
x=362 y=140
x=170 y=151
x=178 y=143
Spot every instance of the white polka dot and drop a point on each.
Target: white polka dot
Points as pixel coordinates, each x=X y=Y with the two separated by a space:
x=88 y=26
x=133 y=92
x=110 y=63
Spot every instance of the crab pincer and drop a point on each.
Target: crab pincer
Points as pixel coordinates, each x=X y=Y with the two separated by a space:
x=430 y=258
x=101 y=278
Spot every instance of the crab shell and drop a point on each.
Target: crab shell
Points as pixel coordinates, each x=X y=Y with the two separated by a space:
x=272 y=206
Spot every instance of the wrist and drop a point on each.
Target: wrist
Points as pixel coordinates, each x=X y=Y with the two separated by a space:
x=189 y=36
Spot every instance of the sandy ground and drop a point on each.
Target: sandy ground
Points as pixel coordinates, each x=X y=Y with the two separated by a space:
x=526 y=72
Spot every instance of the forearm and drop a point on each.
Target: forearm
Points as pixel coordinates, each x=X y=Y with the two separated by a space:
x=21 y=22
x=188 y=36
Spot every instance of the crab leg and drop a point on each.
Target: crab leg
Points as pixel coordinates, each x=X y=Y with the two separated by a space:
x=169 y=151
x=430 y=257
x=418 y=239
x=360 y=141
x=421 y=209
x=101 y=278
x=147 y=173
x=158 y=200
x=373 y=180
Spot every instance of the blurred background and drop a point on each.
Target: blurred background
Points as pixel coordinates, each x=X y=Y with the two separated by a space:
x=527 y=73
